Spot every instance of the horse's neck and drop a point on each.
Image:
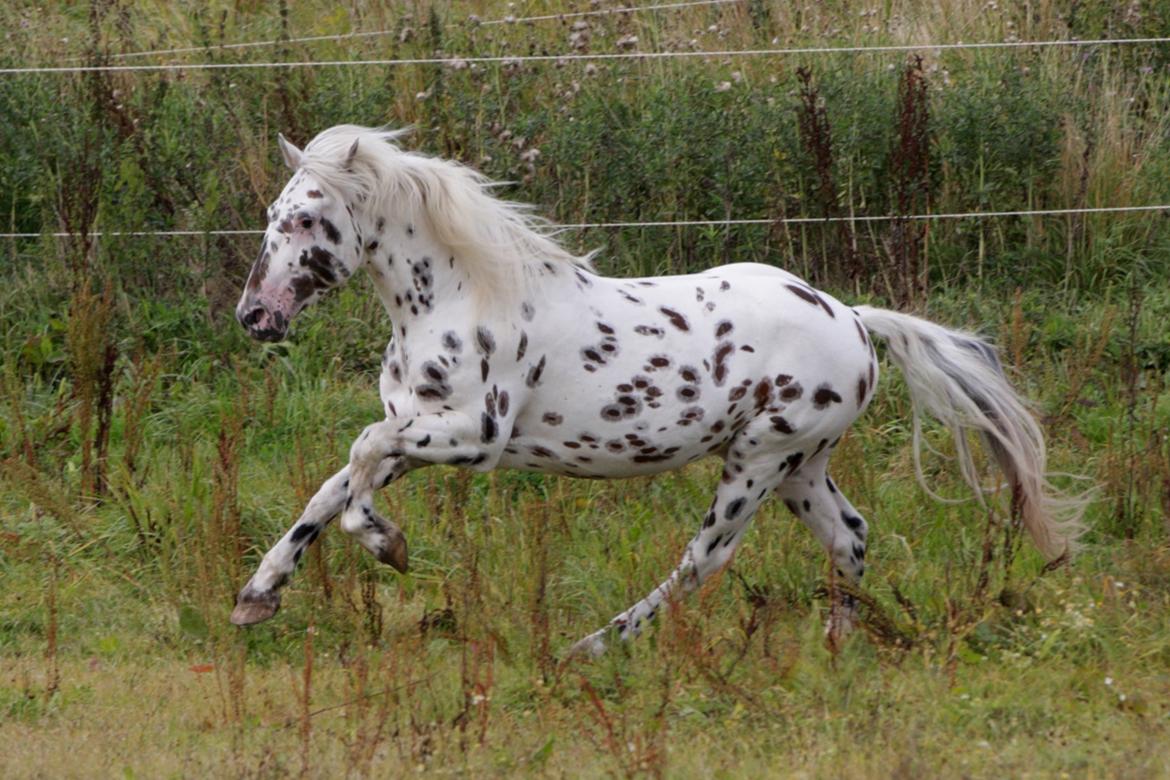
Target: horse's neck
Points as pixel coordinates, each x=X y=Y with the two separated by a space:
x=415 y=276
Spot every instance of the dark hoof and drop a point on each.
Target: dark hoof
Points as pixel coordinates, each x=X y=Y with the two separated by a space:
x=255 y=607
x=393 y=552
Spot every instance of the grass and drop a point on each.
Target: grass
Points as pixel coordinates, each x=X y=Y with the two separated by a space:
x=457 y=666
x=149 y=453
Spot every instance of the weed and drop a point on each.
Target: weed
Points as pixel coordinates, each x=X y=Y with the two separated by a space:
x=910 y=163
x=147 y=449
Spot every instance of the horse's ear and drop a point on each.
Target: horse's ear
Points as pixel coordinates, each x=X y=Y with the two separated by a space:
x=349 y=157
x=291 y=154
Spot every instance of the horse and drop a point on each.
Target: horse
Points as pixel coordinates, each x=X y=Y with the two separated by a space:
x=510 y=351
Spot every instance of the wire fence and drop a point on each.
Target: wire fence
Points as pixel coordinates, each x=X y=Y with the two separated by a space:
x=579 y=57
x=619 y=11
x=567 y=58
x=860 y=218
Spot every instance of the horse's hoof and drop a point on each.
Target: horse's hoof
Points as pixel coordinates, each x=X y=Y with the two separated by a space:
x=393 y=552
x=255 y=607
x=592 y=646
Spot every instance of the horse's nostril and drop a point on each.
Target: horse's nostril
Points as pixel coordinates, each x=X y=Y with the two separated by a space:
x=252 y=316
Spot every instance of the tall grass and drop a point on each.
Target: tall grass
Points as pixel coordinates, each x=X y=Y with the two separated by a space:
x=149 y=453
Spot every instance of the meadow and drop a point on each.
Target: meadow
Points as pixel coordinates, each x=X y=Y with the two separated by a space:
x=150 y=452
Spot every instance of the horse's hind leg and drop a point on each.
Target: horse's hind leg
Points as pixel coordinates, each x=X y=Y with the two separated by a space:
x=749 y=475
x=811 y=495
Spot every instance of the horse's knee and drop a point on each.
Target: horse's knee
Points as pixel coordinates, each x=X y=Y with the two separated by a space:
x=356 y=516
x=376 y=442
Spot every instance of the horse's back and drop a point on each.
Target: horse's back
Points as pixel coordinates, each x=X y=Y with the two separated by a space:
x=647 y=374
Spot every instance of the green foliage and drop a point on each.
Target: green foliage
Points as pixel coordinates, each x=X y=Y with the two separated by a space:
x=133 y=553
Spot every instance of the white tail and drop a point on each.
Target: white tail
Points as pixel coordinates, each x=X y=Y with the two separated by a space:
x=957 y=378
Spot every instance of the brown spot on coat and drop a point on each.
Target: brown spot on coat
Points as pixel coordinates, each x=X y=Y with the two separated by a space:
x=533 y=378
x=807 y=294
x=790 y=392
x=763 y=393
x=781 y=425
x=485 y=342
x=676 y=319
x=331 y=231
x=720 y=371
x=825 y=395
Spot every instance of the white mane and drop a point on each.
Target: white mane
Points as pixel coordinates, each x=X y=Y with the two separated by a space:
x=499 y=244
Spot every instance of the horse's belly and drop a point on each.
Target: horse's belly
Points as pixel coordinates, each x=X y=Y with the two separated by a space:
x=622 y=454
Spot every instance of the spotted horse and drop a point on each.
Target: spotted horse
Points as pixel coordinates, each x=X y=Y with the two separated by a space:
x=508 y=351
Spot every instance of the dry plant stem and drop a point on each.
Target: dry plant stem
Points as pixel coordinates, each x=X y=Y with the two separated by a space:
x=138 y=404
x=93 y=358
x=87 y=629
x=1081 y=372
x=53 y=670
x=16 y=408
x=1128 y=518
x=306 y=730
x=538 y=522
x=911 y=160
x=609 y=734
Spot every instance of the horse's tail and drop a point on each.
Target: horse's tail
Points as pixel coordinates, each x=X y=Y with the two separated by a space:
x=957 y=378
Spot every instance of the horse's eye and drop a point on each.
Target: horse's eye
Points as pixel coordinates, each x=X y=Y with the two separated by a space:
x=306 y=223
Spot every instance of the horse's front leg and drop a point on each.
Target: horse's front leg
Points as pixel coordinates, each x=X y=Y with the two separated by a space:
x=387 y=450
x=260 y=598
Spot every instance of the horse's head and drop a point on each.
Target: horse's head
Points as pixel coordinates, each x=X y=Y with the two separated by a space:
x=312 y=244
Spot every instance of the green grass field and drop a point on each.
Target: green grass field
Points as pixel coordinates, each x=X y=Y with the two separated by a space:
x=150 y=453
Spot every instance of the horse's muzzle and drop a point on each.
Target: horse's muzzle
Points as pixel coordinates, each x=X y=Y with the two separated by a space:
x=262 y=324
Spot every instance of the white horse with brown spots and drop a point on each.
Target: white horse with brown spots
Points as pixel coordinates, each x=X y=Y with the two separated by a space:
x=508 y=351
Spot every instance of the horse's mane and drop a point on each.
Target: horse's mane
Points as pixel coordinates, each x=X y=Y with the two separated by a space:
x=500 y=244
